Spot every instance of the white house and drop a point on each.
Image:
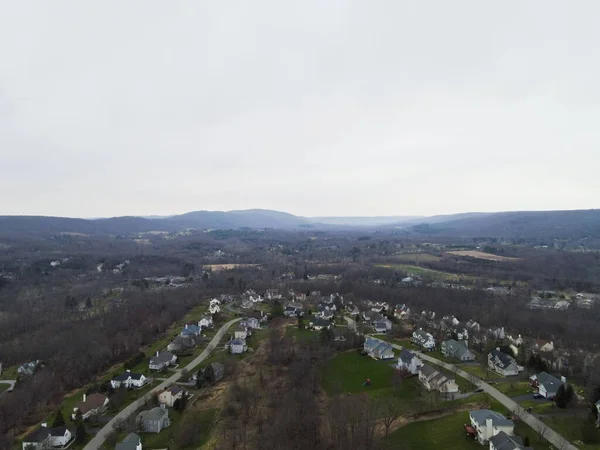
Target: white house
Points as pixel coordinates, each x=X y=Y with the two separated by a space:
x=377 y=349
x=487 y=424
x=237 y=346
x=423 y=339
x=546 y=384
x=214 y=309
x=59 y=436
x=434 y=380
x=318 y=324
x=503 y=441
x=162 y=360
x=502 y=363
x=409 y=361
x=241 y=332
x=170 y=395
x=128 y=379
x=205 y=322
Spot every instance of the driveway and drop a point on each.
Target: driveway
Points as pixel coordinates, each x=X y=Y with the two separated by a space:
x=548 y=433
x=11 y=387
x=130 y=409
x=521 y=398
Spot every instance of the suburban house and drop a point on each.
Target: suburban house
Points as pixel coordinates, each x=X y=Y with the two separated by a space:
x=371 y=316
x=182 y=343
x=237 y=346
x=409 y=361
x=319 y=323
x=423 y=339
x=240 y=332
x=324 y=312
x=293 y=310
x=353 y=310
x=214 y=308
x=169 y=395
x=162 y=360
x=503 y=441
x=153 y=420
x=190 y=330
x=434 y=380
x=377 y=349
x=273 y=294
x=218 y=369
x=38 y=439
x=247 y=304
x=401 y=311
x=128 y=380
x=205 y=322
x=487 y=424
x=45 y=437
x=90 y=405
x=380 y=327
x=473 y=326
x=250 y=322
x=546 y=384
x=457 y=350
x=131 y=442
x=502 y=363
x=28 y=369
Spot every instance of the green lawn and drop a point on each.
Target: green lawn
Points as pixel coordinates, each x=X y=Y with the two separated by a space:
x=484 y=374
x=9 y=373
x=168 y=438
x=514 y=389
x=538 y=407
x=406 y=343
x=426 y=273
x=347 y=371
x=301 y=334
x=437 y=354
x=570 y=428
x=446 y=433
x=4 y=386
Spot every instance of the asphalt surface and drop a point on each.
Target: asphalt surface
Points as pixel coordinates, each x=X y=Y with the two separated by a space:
x=548 y=433
x=129 y=410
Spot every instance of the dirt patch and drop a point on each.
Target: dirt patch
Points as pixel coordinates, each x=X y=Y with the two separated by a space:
x=411 y=418
x=482 y=255
x=219 y=267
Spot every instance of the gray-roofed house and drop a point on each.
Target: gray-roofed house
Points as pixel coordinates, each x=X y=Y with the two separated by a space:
x=28 y=369
x=409 y=361
x=218 y=370
x=457 y=350
x=131 y=442
x=488 y=423
x=434 y=380
x=38 y=439
x=90 y=405
x=162 y=360
x=546 y=384
x=423 y=339
x=502 y=363
x=377 y=349
x=503 y=441
x=205 y=322
x=237 y=346
x=153 y=420
x=182 y=343
x=319 y=323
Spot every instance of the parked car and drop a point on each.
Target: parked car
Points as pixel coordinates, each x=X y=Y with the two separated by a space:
x=478 y=390
x=538 y=395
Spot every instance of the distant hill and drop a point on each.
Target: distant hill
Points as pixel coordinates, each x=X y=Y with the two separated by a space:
x=520 y=224
x=516 y=224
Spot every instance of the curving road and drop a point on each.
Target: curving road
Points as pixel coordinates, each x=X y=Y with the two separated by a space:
x=99 y=438
x=536 y=424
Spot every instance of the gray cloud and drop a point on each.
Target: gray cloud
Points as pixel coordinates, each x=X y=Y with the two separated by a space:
x=316 y=108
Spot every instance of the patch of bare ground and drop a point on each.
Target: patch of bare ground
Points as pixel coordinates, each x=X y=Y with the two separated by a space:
x=481 y=255
x=404 y=420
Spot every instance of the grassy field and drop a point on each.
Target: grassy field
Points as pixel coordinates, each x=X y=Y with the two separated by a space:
x=4 y=386
x=426 y=273
x=446 y=433
x=346 y=372
x=570 y=428
x=437 y=354
x=416 y=258
x=538 y=407
x=167 y=438
x=514 y=389
x=482 y=373
x=301 y=334
x=9 y=373
x=482 y=255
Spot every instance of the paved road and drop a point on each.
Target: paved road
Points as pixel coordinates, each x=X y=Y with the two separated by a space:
x=101 y=436
x=549 y=434
x=11 y=387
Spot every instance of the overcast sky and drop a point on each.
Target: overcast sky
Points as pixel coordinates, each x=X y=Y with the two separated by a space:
x=313 y=107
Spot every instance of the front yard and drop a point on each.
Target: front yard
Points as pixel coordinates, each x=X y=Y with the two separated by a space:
x=480 y=372
x=346 y=373
x=446 y=433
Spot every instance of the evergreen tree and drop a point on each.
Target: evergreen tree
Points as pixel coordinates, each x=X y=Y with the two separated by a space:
x=300 y=323
x=570 y=394
x=59 y=420
x=561 y=397
x=80 y=433
x=88 y=303
x=209 y=374
x=526 y=441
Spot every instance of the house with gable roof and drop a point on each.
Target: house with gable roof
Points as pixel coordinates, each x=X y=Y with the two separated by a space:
x=488 y=423
x=546 y=384
x=502 y=363
x=457 y=350
x=377 y=349
x=434 y=380
x=409 y=361
x=423 y=339
x=131 y=442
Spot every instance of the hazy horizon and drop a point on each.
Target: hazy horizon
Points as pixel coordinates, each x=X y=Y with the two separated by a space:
x=334 y=109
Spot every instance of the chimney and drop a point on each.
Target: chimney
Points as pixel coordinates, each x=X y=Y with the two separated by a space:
x=45 y=425
x=497 y=349
x=84 y=398
x=128 y=371
x=156 y=352
x=489 y=425
x=185 y=328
